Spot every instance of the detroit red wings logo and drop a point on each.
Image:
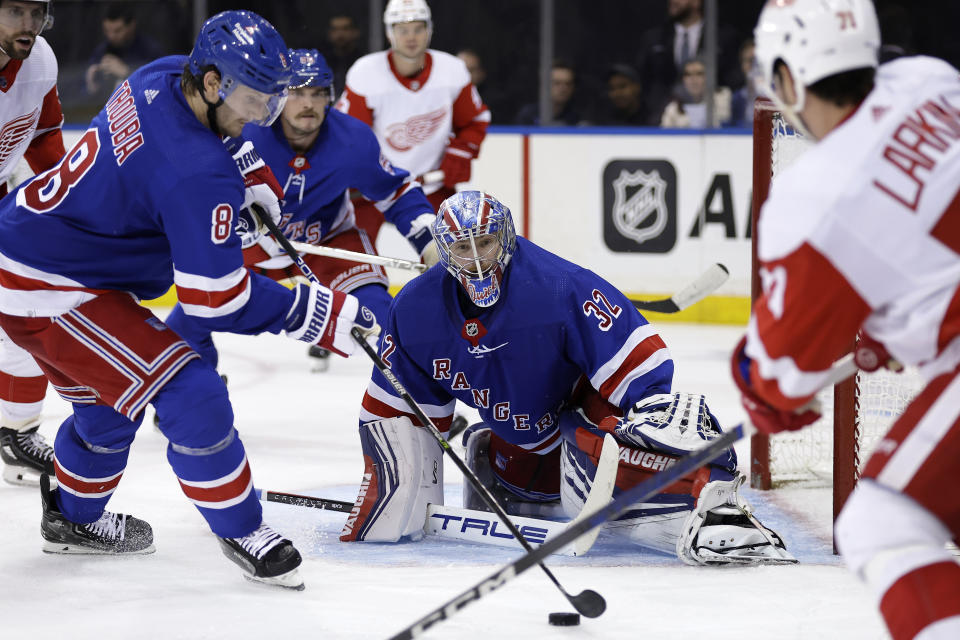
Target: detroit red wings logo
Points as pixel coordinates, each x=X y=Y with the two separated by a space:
x=403 y=136
x=15 y=132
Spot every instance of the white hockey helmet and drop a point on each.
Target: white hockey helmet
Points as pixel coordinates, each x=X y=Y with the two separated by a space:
x=815 y=39
x=398 y=11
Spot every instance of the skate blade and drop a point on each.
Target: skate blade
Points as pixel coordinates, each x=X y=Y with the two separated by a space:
x=21 y=476
x=290 y=580
x=79 y=550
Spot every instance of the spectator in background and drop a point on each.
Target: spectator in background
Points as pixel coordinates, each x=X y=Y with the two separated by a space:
x=563 y=88
x=122 y=51
x=666 y=48
x=492 y=96
x=624 y=105
x=741 y=105
x=343 y=47
x=689 y=109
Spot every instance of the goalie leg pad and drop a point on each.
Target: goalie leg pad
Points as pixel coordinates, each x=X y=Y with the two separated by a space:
x=524 y=483
x=403 y=473
x=723 y=530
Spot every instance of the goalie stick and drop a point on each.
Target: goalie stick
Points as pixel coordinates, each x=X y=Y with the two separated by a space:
x=588 y=602
x=638 y=493
x=470 y=525
x=705 y=284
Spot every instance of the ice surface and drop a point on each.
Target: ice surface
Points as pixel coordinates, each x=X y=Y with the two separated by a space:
x=300 y=432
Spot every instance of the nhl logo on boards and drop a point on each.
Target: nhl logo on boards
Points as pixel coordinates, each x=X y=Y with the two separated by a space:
x=640 y=206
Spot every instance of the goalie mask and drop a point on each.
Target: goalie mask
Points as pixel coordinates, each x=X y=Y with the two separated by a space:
x=475 y=241
x=252 y=60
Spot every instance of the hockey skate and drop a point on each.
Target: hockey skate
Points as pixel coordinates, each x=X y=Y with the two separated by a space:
x=113 y=533
x=319 y=359
x=723 y=530
x=25 y=455
x=266 y=557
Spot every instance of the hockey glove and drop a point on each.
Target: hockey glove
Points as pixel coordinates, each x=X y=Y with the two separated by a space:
x=323 y=317
x=455 y=165
x=676 y=423
x=871 y=355
x=764 y=416
x=422 y=239
x=260 y=185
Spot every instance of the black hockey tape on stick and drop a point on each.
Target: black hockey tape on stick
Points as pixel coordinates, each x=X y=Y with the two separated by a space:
x=281 y=239
x=705 y=284
x=588 y=603
x=297 y=500
x=638 y=493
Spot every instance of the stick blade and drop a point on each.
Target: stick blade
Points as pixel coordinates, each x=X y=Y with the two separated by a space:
x=708 y=282
x=589 y=603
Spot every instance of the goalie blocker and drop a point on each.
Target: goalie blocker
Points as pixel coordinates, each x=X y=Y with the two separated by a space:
x=702 y=518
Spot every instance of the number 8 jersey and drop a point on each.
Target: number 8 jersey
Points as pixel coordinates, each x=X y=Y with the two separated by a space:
x=147 y=197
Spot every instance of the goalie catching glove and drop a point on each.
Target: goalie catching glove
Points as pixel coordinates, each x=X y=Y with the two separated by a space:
x=324 y=318
x=673 y=422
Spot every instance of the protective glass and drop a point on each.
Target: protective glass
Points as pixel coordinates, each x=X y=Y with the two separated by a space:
x=253 y=106
x=33 y=17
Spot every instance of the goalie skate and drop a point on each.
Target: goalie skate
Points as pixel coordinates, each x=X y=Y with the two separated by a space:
x=723 y=530
x=265 y=557
x=113 y=533
x=25 y=455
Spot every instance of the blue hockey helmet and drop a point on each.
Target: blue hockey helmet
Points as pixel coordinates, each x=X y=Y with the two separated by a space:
x=310 y=69
x=247 y=52
x=475 y=241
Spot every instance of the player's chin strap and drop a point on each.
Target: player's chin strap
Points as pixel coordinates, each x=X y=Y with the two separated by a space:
x=212 y=113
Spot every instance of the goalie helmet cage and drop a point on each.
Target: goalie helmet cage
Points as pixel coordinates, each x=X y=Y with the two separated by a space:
x=856 y=412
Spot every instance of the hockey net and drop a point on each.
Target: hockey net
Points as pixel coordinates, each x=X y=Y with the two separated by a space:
x=856 y=413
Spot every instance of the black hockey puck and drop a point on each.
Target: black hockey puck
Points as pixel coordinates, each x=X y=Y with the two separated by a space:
x=563 y=619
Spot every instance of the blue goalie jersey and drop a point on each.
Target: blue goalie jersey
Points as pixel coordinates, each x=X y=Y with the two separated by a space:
x=147 y=198
x=518 y=361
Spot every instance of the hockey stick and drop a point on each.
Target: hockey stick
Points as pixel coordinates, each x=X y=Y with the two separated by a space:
x=356 y=256
x=443 y=521
x=705 y=284
x=297 y=500
x=589 y=603
x=638 y=493
x=600 y=493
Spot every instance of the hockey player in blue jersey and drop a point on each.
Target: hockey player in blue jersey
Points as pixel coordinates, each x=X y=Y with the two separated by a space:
x=148 y=197
x=318 y=154
x=552 y=357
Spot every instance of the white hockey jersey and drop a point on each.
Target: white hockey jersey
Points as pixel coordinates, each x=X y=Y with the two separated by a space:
x=30 y=112
x=415 y=119
x=863 y=230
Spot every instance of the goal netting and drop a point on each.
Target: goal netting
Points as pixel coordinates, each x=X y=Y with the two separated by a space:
x=856 y=413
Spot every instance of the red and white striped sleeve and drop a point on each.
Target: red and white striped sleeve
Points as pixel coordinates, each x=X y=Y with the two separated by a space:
x=471 y=117
x=807 y=317
x=354 y=104
x=206 y=297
